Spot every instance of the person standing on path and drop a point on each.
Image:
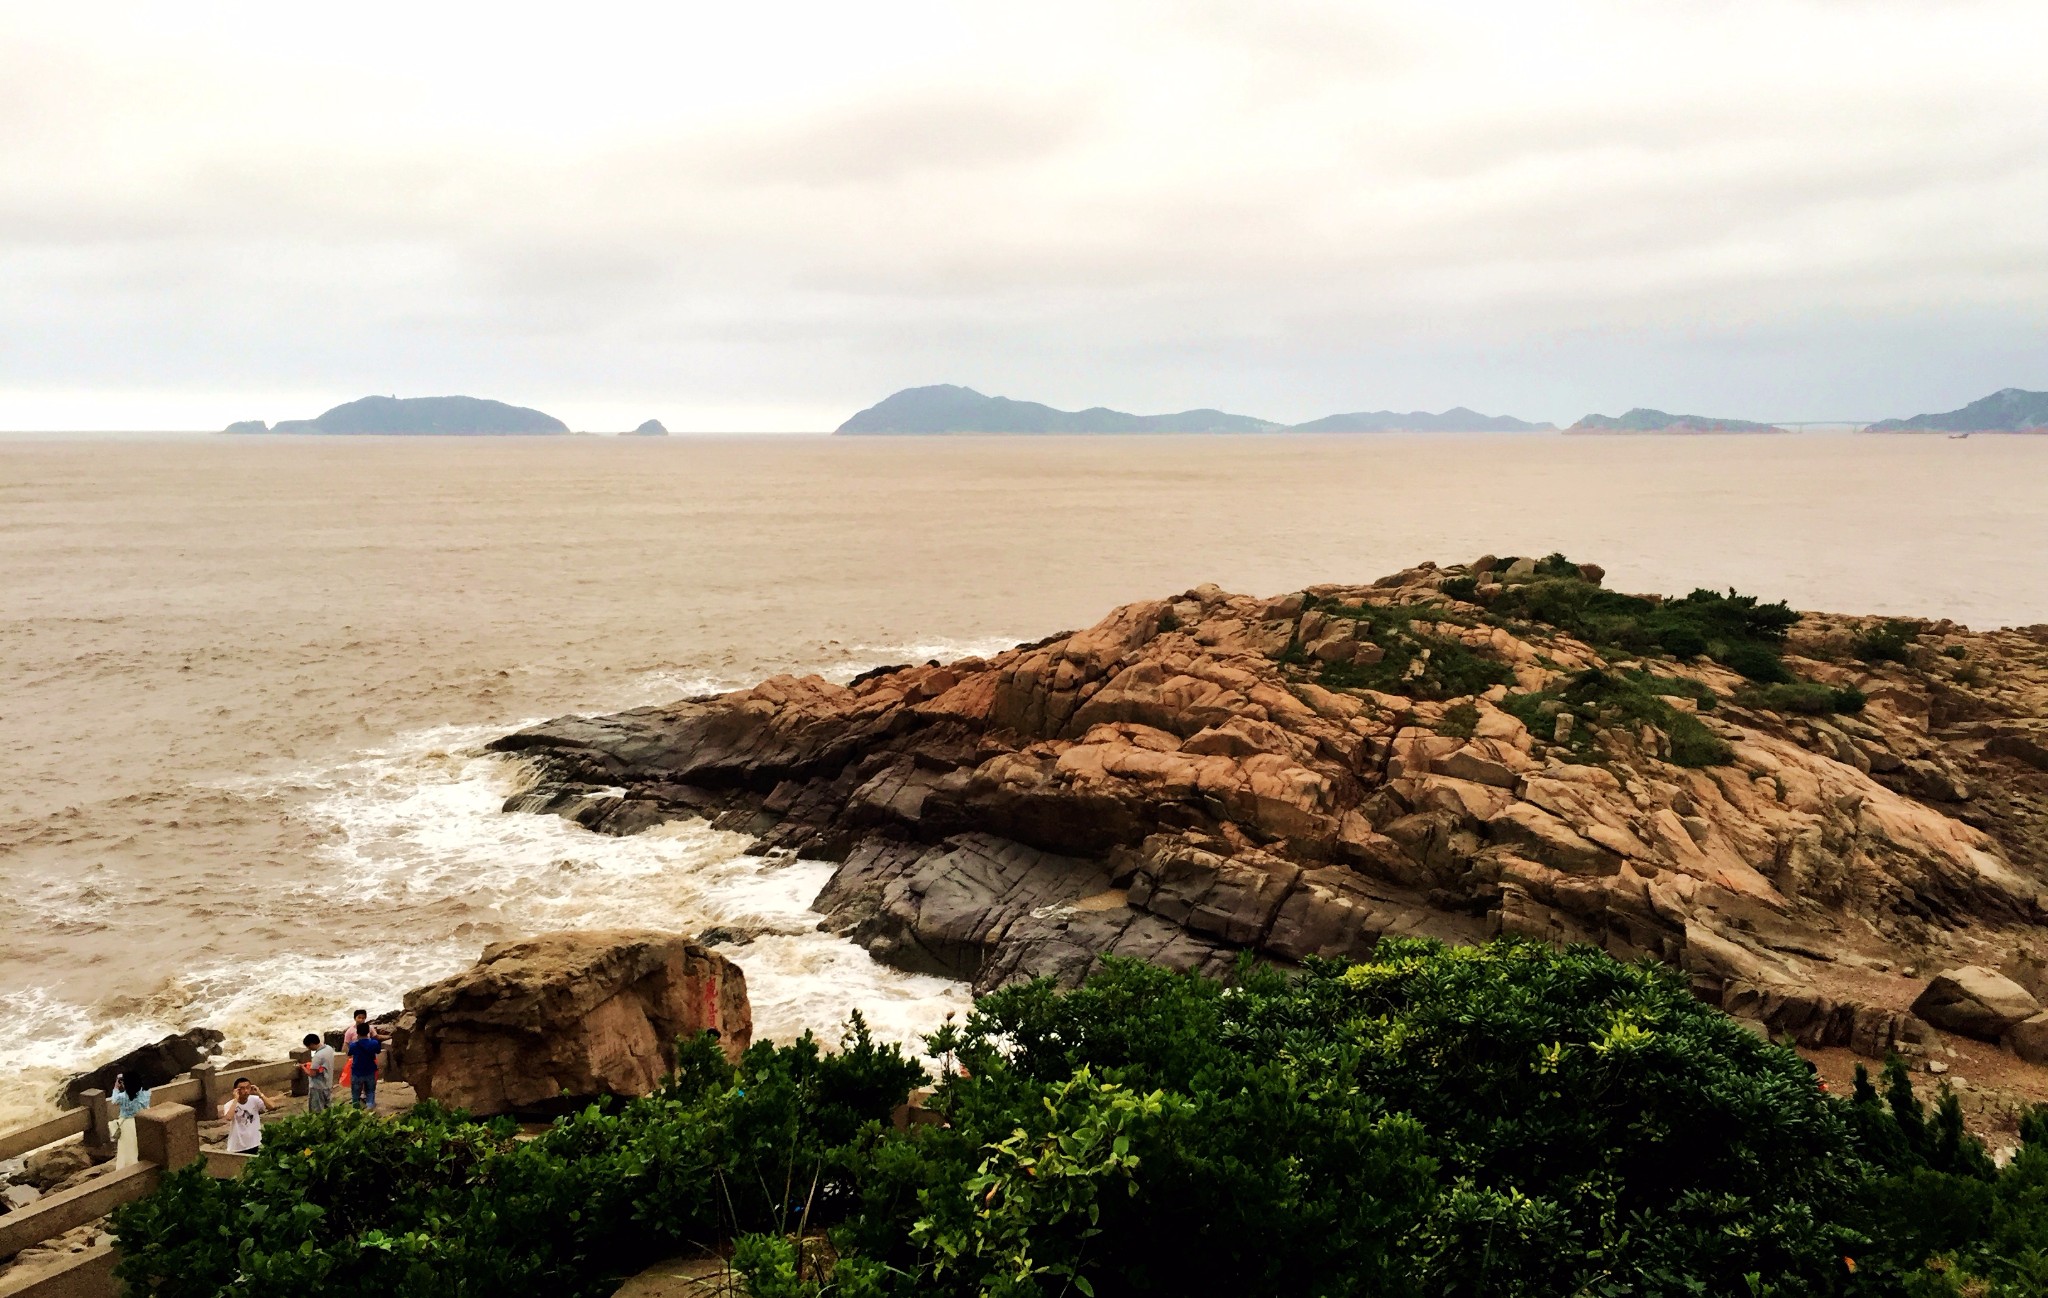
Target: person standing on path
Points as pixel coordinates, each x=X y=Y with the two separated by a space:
x=244 y=1112
x=348 y=1038
x=362 y=1069
x=130 y=1098
x=319 y=1068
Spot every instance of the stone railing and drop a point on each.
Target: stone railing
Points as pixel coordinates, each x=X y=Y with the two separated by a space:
x=166 y=1139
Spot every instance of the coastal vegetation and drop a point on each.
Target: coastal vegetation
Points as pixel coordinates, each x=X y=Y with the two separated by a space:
x=1738 y=631
x=1505 y=1119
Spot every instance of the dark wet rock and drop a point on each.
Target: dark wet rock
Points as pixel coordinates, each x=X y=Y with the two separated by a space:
x=150 y=1065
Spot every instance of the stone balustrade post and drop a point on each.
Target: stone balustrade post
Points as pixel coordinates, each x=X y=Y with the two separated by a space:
x=167 y=1135
x=300 y=1083
x=213 y=1088
x=98 y=1137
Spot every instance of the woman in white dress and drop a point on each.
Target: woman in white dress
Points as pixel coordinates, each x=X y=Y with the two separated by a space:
x=130 y=1098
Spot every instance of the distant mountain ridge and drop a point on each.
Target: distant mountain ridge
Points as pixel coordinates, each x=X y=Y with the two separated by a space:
x=1645 y=420
x=947 y=408
x=2008 y=410
x=1455 y=420
x=442 y=416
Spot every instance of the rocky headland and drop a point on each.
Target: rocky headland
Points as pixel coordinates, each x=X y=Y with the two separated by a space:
x=1810 y=814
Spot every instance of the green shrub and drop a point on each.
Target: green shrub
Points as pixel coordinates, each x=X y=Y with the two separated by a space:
x=1449 y=670
x=1805 y=698
x=1438 y=1121
x=1600 y=699
x=432 y=1203
x=1460 y=587
x=1755 y=662
x=1955 y=651
x=1738 y=631
x=1507 y=1119
x=1460 y=719
x=1889 y=642
x=1682 y=642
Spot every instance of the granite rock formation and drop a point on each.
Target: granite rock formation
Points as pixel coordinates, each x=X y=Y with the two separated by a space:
x=1301 y=775
x=563 y=1018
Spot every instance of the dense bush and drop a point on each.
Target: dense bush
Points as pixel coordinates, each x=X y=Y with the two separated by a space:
x=1500 y=1120
x=1737 y=631
x=431 y=1203
x=1888 y=642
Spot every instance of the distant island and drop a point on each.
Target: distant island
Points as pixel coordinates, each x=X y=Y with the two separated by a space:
x=417 y=416
x=1455 y=420
x=1645 y=420
x=946 y=408
x=652 y=428
x=2009 y=410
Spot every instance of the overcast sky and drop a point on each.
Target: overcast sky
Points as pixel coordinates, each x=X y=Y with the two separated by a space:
x=764 y=216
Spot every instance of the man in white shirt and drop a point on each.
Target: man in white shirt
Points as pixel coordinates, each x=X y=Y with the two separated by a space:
x=244 y=1112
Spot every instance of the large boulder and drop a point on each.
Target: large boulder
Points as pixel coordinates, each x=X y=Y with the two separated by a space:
x=563 y=1018
x=1976 y=1002
x=2029 y=1039
x=151 y=1065
x=46 y=1169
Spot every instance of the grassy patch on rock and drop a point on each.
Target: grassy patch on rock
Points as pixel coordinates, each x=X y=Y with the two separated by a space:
x=1604 y=701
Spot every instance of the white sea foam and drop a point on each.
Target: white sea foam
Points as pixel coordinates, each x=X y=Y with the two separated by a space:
x=421 y=868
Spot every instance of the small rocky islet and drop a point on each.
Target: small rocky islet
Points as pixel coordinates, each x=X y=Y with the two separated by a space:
x=1807 y=813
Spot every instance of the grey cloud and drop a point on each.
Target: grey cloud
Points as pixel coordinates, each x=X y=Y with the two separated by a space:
x=1284 y=208
x=947 y=130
